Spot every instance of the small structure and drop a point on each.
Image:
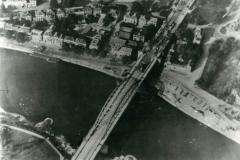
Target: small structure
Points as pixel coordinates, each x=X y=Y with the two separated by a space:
x=40 y=15
x=57 y=40
x=197 y=36
x=69 y=40
x=116 y=43
x=130 y=19
x=95 y=43
x=47 y=37
x=142 y=21
x=125 y=33
x=124 y=51
x=60 y=13
x=37 y=35
x=24 y=29
x=138 y=36
x=81 y=42
x=152 y=21
x=27 y=16
x=8 y=26
x=50 y=14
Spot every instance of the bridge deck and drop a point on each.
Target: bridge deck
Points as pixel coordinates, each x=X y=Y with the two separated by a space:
x=123 y=94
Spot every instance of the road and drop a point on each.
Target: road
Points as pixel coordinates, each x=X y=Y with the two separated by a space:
x=122 y=95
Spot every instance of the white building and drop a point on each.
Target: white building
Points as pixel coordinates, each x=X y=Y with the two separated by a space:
x=20 y=3
x=197 y=36
x=95 y=42
x=130 y=19
x=37 y=35
x=39 y=16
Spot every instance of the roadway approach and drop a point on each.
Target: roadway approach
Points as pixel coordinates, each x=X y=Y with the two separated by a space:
x=123 y=94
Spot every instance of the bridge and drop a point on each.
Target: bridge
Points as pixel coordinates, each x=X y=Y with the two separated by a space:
x=123 y=94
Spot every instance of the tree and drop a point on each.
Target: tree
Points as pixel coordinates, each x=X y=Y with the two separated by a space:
x=53 y=4
x=142 y=7
x=20 y=37
x=3 y=8
x=108 y=19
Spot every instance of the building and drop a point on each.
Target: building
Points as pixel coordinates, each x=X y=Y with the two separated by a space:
x=116 y=43
x=40 y=15
x=69 y=40
x=25 y=30
x=152 y=21
x=8 y=27
x=138 y=36
x=37 y=35
x=50 y=14
x=95 y=43
x=125 y=33
x=142 y=21
x=130 y=19
x=197 y=36
x=47 y=37
x=132 y=44
x=20 y=3
x=57 y=40
x=26 y=15
x=124 y=51
x=81 y=42
x=60 y=13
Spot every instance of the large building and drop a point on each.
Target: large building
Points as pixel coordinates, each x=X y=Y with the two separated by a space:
x=20 y=3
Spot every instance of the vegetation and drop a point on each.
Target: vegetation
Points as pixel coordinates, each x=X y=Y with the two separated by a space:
x=221 y=73
x=188 y=53
x=209 y=11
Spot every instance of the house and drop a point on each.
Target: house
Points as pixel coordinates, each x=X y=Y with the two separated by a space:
x=132 y=44
x=124 y=35
x=24 y=29
x=40 y=15
x=95 y=43
x=88 y=10
x=8 y=27
x=50 y=14
x=27 y=16
x=142 y=21
x=197 y=36
x=126 y=29
x=57 y=40
x=152 y=21
x=130 y=19
x=125 y=32
x=37 y=35
x=47 y=37
x=69 y=40
x=116 y=43
x=138 y=36
x=97 y=11
x=60 y=13
x=81 y=42
x=124 y=51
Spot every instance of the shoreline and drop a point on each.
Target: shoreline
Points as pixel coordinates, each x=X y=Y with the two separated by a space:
x=96 y=66
x=199 y=107
x=29 y=132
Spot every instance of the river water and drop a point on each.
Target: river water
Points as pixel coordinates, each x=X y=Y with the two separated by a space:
x=72 y=96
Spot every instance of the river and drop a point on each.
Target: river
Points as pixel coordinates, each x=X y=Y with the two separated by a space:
x=72 y=96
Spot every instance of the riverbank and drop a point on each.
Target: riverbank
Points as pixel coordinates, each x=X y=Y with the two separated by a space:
x=200 y=105
x=28 y=139
x=52 y=55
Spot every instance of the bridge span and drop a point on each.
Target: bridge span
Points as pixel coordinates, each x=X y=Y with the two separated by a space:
x=123 y=94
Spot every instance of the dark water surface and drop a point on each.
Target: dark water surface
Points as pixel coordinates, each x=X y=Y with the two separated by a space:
x=150 y=129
